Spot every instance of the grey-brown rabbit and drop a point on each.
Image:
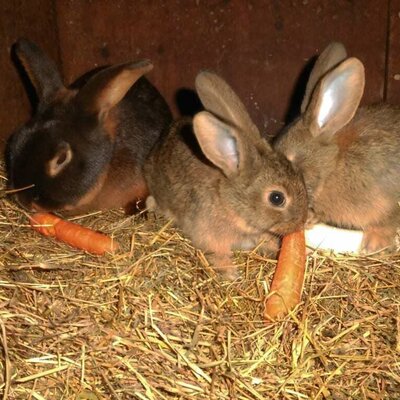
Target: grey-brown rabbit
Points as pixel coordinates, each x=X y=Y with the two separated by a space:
x=349 y=156
x=84 y=148
x=221 y=182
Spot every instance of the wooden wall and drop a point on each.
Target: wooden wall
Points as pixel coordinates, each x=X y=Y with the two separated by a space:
x=34 y=19
x=263 y=48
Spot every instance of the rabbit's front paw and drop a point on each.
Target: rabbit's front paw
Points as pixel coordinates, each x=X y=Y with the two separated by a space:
x=377 y=239
x=224 y=265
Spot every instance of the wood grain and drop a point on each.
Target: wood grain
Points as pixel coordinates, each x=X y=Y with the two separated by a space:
x=35 y=20
x=393 y=54
x=262 y=48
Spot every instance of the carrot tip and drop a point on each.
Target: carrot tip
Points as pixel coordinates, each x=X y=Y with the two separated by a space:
x=287 y=283
x=44 y=223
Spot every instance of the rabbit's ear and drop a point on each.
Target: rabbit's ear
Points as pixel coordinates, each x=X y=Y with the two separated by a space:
x=334 y=54
x=41 y=70
x=219 y=99
x=108 y=87
x=336 y=98
x=219 y=142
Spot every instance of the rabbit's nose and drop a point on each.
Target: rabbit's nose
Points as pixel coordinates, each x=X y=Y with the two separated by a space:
x=34 y=207
x=28 y=206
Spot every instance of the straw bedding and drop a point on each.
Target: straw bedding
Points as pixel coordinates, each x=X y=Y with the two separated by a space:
x=155 y=322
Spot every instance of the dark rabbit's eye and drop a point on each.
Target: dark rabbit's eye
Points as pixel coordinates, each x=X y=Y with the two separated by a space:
x=276 y=198
x=61 y=158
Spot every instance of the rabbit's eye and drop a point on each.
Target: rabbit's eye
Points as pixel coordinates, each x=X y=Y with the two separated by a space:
x=276 y=198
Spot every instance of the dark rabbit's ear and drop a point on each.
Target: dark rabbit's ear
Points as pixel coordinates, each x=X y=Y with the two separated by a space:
x=108 y=87
x=220 y=142
x=336 y=98
x=220 y=99
x=41 y=70
x=334 y=54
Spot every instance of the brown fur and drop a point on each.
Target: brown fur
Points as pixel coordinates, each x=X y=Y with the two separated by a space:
x=346 y=139
x=352 y=172
x=111 y=123
x=128 y=194
x=224 y=207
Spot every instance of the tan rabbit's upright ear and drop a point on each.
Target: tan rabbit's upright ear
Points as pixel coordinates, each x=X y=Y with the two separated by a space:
x=333 y=54
x=336 y=98
x=219 y=99
x=108 y=87
x=219 y=142
x=41 y=70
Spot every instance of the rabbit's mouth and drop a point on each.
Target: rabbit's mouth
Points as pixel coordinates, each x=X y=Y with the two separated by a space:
x=281 y=229
x=21 y=196
x=30 y=201
x=37 y=208
x=30 y=206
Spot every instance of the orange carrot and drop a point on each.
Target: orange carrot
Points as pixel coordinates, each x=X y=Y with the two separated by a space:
x=288 y=280
x=73 y=234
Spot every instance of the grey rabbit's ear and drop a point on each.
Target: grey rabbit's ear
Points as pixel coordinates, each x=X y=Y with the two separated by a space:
x=336 y=98
x=108 y=87
x=219 y=99
x=220 y=142
x=41 y=70
x=333 y=54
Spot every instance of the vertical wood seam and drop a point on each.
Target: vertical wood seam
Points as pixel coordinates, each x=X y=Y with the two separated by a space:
x=387 y=51
x=60 y=61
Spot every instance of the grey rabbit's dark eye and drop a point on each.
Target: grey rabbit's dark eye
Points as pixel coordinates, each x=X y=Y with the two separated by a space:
x=277 y=199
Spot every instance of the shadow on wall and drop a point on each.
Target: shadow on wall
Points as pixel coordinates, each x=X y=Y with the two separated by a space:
x=188 y=102
x=293 y=110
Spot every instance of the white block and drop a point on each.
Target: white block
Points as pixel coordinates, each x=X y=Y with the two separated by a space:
x=329 y=238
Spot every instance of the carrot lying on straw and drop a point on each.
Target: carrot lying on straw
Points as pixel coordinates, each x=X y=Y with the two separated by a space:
x=288 y=280
x=73 y=234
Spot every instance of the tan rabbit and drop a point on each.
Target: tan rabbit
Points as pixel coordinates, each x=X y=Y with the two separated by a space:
x=349 y=156
x=221 y=182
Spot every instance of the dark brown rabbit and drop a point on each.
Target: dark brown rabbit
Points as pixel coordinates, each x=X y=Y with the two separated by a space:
x=84 y=149
x=349 y=156
x=221 y=182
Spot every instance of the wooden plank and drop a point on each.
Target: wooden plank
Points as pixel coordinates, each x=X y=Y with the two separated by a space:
x=393 y=55
x=260 y=47
x=32 y=19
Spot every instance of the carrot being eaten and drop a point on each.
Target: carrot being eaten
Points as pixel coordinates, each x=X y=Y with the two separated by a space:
x=73 y=234
x=287 y=284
